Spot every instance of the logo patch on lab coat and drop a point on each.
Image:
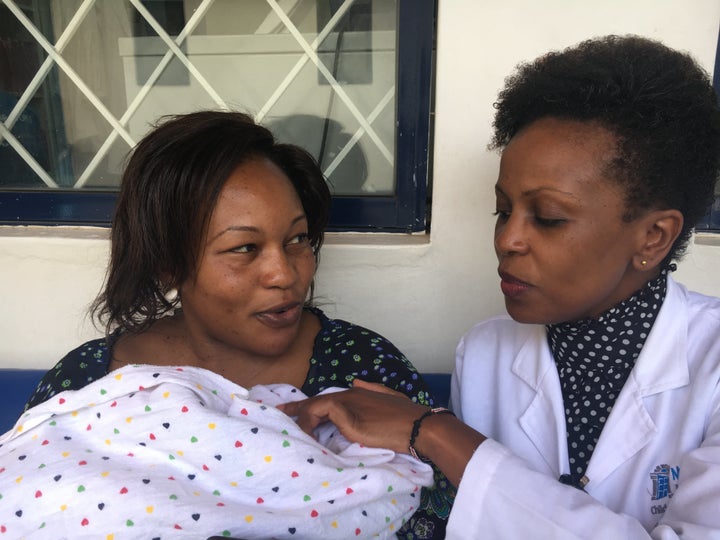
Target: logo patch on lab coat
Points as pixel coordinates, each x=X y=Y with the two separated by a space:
x=665 y=481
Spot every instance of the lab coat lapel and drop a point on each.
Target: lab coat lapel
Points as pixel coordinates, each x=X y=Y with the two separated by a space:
x=543 y=421
x=661 y=366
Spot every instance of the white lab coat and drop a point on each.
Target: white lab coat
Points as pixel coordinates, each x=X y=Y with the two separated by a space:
x=655 y=471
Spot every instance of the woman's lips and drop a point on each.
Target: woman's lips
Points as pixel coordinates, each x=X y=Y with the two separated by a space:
x=281 y=317
x=511 y=286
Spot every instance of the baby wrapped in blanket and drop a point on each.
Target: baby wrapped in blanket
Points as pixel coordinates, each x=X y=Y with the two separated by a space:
x=159 y=452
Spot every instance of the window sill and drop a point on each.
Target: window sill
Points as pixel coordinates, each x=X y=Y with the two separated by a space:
x=40 y=231
x=376 y=239
x=707 y=239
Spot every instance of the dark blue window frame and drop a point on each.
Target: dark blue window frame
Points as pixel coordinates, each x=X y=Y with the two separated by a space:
x=711 y=222
x=405 y=211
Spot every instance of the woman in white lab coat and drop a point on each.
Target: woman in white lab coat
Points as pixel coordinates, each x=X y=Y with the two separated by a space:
x=593 y=410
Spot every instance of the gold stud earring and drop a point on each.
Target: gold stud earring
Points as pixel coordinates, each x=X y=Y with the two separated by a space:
x=643 y=262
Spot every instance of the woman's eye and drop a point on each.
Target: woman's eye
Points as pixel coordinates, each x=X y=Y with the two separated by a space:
x=501 y=215
x=301 y=238
x=548 y=222
x=245 y=248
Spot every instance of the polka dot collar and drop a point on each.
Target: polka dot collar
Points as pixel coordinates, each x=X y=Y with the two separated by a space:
x=594 y=358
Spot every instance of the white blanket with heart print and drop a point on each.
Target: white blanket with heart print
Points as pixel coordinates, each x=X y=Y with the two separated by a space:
x=158 y=452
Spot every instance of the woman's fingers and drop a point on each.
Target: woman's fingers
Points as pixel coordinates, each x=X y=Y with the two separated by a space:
x=312 y=412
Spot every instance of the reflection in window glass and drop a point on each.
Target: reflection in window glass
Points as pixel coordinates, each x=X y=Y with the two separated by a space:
x=320 y=73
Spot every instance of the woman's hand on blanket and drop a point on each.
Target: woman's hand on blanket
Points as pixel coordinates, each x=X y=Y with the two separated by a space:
x=374 y=415
x=368 y=413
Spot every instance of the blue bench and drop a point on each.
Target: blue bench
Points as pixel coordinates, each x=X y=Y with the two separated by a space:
x=16 y=385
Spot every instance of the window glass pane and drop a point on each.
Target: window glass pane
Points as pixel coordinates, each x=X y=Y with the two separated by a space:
x=321 y=74
x=711 y=222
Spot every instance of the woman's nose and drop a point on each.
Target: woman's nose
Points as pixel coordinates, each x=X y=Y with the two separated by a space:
x=511 y=237
x=278 y=270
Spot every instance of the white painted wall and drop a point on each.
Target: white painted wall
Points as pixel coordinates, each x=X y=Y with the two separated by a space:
x=421 y=292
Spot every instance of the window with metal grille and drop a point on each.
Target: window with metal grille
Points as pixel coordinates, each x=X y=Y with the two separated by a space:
x=81 y=81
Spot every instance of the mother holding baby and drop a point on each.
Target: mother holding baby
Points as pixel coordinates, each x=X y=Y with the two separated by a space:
x=214 y=246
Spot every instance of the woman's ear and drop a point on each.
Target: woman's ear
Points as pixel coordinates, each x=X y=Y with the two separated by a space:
x=658 y=234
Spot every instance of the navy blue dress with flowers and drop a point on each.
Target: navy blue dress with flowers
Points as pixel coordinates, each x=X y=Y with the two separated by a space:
x=342 y=352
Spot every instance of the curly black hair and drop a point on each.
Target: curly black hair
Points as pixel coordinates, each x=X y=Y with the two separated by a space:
x=658 y=102
x=168 y=192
